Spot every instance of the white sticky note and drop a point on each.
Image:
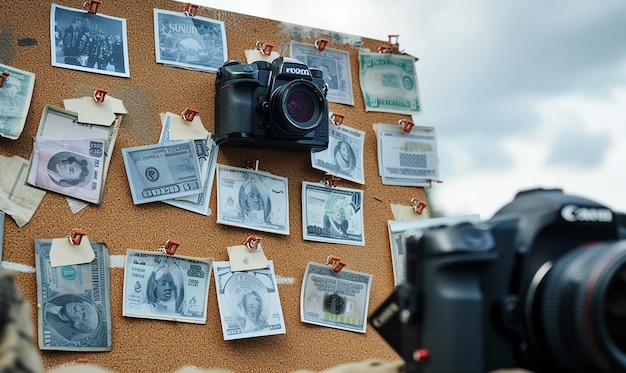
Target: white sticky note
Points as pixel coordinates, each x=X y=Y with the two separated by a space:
x=407 y=213
x=243 y=259
x=181 y=129
x=64 y=253
x=256 y=55
x=90 y=111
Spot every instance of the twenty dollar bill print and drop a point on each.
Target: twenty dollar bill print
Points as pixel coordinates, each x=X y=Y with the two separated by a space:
x=336 y=300
x=166 y=287
x=252 y=199
x=332 y=214
x=162 y=171
x=248 y=301
x=15 y=96
x=75 y=305
x=389 y=83
x=344 y=155
x=196 y=42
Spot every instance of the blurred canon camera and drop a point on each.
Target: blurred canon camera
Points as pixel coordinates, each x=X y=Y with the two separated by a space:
x=278 y=105
x=541 y=286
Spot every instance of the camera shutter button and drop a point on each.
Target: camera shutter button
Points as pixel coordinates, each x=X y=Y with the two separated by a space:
x=248 y=68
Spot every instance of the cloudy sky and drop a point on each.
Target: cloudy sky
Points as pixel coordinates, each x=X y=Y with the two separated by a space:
x=522 y=94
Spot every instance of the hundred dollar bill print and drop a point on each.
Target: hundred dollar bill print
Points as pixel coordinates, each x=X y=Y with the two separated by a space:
x=344 y=155
x=389 y=83
x=206 y=151
x=248 y=301
x=334 y=63
x=252 y=199
x=196 y=42
x=400 y=230
x=166 y=287
x=332 y=215
x=74 y=302
x=162 y=171
x=335 y=300
x=15 y=97
x=72 y=167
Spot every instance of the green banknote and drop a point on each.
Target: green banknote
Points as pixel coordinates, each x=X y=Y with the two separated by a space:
x=74 y=302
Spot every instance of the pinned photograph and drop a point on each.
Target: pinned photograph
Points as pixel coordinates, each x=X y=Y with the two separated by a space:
x=94 y=43
x=344 y=155
x=190 y=42
x=166 y=287
x=248 y=301
x=252 y=199
x=334 y=63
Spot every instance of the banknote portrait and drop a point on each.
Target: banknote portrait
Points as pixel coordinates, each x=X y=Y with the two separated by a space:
x=72 y=317
x=67 y=169
x=88 y=42
x=165 y=292
x=252 y=311
x=254 y=203
x=344 y=156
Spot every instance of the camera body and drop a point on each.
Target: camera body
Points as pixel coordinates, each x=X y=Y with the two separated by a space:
x=541 y=285
x=279 y=105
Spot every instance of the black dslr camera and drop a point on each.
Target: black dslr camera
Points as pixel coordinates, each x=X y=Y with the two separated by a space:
x=541 y=286
x=279 y=105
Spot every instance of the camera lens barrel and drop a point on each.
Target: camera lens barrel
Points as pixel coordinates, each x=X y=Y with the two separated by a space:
x=298 y=107
x=583 y=308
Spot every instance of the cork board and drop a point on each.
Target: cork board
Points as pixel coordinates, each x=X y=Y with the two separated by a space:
x=150 y=345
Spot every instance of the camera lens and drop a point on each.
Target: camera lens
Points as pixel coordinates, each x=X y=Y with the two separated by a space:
x=297 y=107
x=582 y=308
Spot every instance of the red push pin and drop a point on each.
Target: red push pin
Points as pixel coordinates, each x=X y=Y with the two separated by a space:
x=252 y=242
x=99 y=95
x=76 y=236
x=92 y=6
x=337 y=118
x=406 y=125
x=189 y=113
x=335 y=263
x=171 y=246
x=421 y=354
x=418 y=205
x=320 y=44
x=5 y=74
x=191 y=9
x=331 y=180
x=265 y=48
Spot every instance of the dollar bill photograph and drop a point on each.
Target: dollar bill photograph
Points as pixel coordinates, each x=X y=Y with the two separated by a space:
x=252 y=199
x=94 y=43
x=332 y=214
x=196 y=42
x=334 y=63
x=15 y=97
x=344 y=156
x=248 y=302
x=335 y=300
x=75 y=306
x=166 y=287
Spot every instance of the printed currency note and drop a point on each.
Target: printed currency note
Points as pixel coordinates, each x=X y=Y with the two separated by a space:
x=252 y=199
x=17 y=198
x=162 y=171
x=196 y=43
x=72 y=167
x=166 y=287
x=15 y=97
x=409 y=159
x=207 y=152
x=332 y=214
x=336 y=300
x=74 y=302
x=248 y=301
x=400 y=230
x=334 y=63
x=344 y=155
x=389 y=83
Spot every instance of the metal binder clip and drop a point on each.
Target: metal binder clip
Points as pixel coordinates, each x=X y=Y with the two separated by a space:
x=320 y=44
x=189 y=113
x=337 y=118
x=191 y=9
x=76 y=236
x=92 y=6
x=418 y=205
x=335 y=263
x=99 y=94
x=406 y=125
x=264 y=48
x=252 y=242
